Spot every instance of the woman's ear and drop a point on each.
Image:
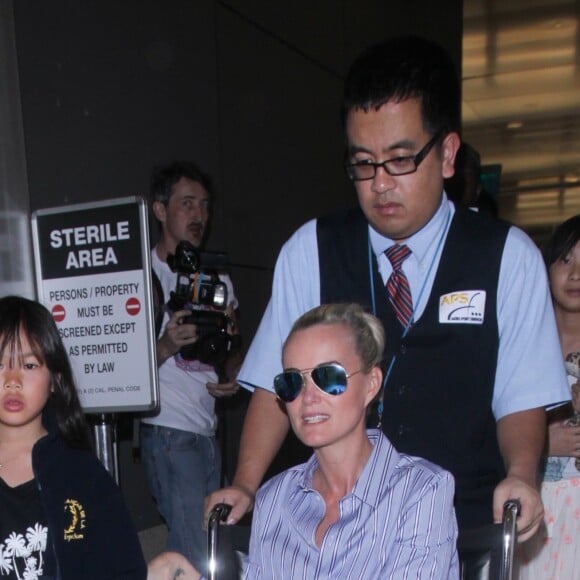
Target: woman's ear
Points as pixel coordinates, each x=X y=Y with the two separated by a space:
x=375 y=376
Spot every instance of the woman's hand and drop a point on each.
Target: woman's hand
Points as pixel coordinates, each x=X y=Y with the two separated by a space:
x=171 y=566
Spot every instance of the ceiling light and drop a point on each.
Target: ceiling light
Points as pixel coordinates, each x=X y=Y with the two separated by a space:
x=512 y=125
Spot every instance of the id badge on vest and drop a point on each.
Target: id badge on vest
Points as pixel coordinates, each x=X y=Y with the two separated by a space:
x=462 y=307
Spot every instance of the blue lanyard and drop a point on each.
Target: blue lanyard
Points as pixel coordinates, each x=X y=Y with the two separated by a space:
x=380 y=407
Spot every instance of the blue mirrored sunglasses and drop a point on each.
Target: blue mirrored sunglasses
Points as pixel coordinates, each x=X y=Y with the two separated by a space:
x=330 y=378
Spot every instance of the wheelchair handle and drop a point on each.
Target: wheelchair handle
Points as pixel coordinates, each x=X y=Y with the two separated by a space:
x=511 y=510
x=219 y=513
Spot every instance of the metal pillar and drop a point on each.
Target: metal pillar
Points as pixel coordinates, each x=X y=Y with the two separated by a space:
x=105 y=430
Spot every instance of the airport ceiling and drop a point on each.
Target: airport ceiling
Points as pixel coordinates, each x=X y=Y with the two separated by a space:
x=521 y=103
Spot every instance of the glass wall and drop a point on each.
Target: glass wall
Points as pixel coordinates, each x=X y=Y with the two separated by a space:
x=16 y=265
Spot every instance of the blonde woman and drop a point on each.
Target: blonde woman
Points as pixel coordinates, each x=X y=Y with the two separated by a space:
x=357 y=508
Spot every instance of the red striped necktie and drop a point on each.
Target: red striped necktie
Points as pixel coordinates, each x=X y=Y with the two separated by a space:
x=398 y=285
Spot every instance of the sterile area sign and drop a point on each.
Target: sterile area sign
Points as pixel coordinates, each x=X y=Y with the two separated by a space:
x=93 y=273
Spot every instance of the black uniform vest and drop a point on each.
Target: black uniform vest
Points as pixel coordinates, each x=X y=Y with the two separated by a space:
x=438 y=396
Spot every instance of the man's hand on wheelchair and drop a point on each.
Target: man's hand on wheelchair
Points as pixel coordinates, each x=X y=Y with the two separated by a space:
x=241 y=500
x=532 y=509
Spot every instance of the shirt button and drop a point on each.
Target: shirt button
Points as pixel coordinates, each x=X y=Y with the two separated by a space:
x=402 y=389
x=401 y=430
x=403 y=349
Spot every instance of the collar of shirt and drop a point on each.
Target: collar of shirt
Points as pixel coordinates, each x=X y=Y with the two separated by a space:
x=420 y=242
x=426 y=252
x=378 y=469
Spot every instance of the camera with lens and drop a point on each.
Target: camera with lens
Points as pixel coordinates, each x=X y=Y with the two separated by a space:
x=199 y=289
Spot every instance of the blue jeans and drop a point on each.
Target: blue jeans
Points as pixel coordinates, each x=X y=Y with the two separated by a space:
x=182 y=468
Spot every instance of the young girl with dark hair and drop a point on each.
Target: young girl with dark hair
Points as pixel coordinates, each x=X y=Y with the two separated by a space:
x=62 y=517
x=554 y=552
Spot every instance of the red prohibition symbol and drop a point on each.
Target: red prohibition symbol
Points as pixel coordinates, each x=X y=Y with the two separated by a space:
x=58 y=312
x=133 y=306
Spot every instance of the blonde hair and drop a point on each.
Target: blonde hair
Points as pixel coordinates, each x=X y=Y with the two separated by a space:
x=366 y=329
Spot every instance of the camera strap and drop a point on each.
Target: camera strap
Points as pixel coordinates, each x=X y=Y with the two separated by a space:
x=158 y=302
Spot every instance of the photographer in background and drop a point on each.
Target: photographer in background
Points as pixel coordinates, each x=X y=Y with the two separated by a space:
x=178 y=445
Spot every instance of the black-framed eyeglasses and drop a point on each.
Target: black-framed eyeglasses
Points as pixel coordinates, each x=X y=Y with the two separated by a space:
x=330 y=378
x=401 y=165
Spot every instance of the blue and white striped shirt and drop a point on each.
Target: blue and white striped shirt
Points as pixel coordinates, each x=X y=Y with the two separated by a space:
x=397 y=522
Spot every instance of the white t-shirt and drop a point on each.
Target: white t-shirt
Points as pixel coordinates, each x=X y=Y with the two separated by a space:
x=185 y=401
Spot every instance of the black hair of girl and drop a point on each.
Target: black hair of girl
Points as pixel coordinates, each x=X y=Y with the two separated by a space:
x=20 y=316
x=564 y=238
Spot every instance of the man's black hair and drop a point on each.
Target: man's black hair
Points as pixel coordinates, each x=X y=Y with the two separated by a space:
x=404 y=68
x=166 y=176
